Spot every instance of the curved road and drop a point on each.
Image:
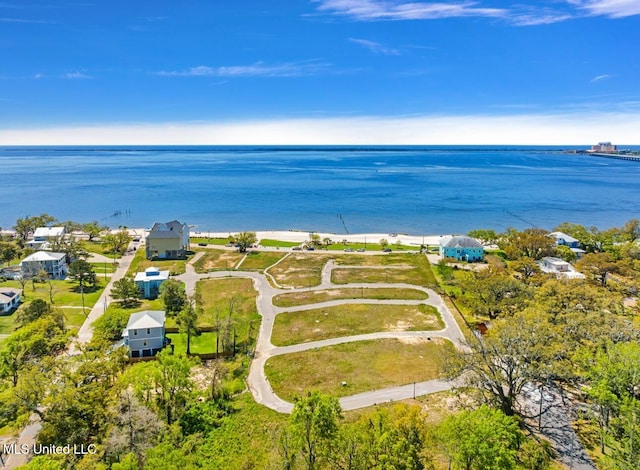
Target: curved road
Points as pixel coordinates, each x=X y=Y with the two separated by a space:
x=257 y=380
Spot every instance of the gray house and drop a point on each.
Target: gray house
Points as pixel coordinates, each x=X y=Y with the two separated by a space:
x=54 y=264
x=144 y=334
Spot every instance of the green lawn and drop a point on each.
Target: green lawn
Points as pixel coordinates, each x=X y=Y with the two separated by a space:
x=353 y=319
x=208 y=241
x=65 y=293
x=140 y=263
x=232 y=297
x=294 y=299
x=363 y=365
x=260 y=260
x=205 y=343
x=278 y=243
x=300 y=269
x=213 y=260
x=400 y=268
x=95 y=246
x=369 y=247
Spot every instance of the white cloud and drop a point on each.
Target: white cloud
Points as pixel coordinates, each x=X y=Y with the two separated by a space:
x=368 y=10
x=258 y=69
x=76 y=76
x=513 y=129
x=599 y=78
x=375 y=47
x=610 y=8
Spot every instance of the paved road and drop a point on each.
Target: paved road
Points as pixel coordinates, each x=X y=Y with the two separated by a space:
x=257 y=380
x=86 y=330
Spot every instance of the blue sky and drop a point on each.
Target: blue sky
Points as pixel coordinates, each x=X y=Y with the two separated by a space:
x=319 y=72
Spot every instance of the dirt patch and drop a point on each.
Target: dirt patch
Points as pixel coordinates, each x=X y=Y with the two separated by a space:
x=399 y=326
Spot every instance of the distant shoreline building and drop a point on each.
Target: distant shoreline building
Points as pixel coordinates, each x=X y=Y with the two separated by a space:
x=603 y=147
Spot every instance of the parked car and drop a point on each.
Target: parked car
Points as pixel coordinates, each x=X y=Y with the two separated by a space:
x=360 y=250
x=386 y=250
x=348 y=250
x=296 y=248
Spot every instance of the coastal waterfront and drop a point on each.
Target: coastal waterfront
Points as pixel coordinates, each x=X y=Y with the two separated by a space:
x=417 y=190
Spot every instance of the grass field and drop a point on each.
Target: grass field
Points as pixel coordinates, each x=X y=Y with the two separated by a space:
x=140 y=263
x=231 y=297
x=370 y=247
x=300 y=269
x=260 y=260
x=209 y=241
x=363 y=365
x=294 y=299
x=278 y=243
x=213 y=260
x=204 y=343
x=354 y=319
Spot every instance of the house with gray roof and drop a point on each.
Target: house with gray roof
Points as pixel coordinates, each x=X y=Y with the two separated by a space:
x=145 y=333
x=168 y=240
x=461 y=248
x=9 y=299
x=54 y=264
x=562 y=239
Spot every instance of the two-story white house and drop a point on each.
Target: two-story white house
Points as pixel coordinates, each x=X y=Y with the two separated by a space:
x=559 y=267
x=42 y=235
x=145 y=334
x=54 y=264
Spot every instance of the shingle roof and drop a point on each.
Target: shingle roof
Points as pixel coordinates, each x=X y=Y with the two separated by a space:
x=146 y=319
x=44 y=256
x=563 y=236
x=48 y=232
x=461 y=241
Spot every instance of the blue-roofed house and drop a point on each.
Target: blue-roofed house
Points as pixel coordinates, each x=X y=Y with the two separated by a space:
x=149 y=282
x=462 y=248
x=562 y=239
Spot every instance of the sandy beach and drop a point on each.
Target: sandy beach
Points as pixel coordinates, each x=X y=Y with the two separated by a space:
x=298 y=236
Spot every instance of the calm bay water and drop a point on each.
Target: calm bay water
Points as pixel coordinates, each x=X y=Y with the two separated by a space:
x=417 y=190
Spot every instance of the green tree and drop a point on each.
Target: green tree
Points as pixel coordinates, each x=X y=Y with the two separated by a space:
x=314 y=240
x=173 y=296
x=484 y=236
x=174 y=383
x=126 y=291
x=188 y=322
x=525 y=348
x=93 y=229
x=25 y=226
x=8 y=251
x=36 y=309
x=313 y=426
x=526 y=267
x=34 y=341
x=82 y=272
x=495 y=294
x=532 y=242
x=384 y=243
x=117 y=242
x=109 y=327
x=244 y=240
x=481 y=439
x=598 y=267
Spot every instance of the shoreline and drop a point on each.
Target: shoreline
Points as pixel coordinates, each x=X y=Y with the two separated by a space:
x=301 y=236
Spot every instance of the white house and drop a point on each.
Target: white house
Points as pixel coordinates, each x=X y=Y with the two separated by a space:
x=562 y=239
x=42 y=235
x=559 y=267
x=144 y=334
x=54 y=264
x=9 y=299
x=149 y=282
